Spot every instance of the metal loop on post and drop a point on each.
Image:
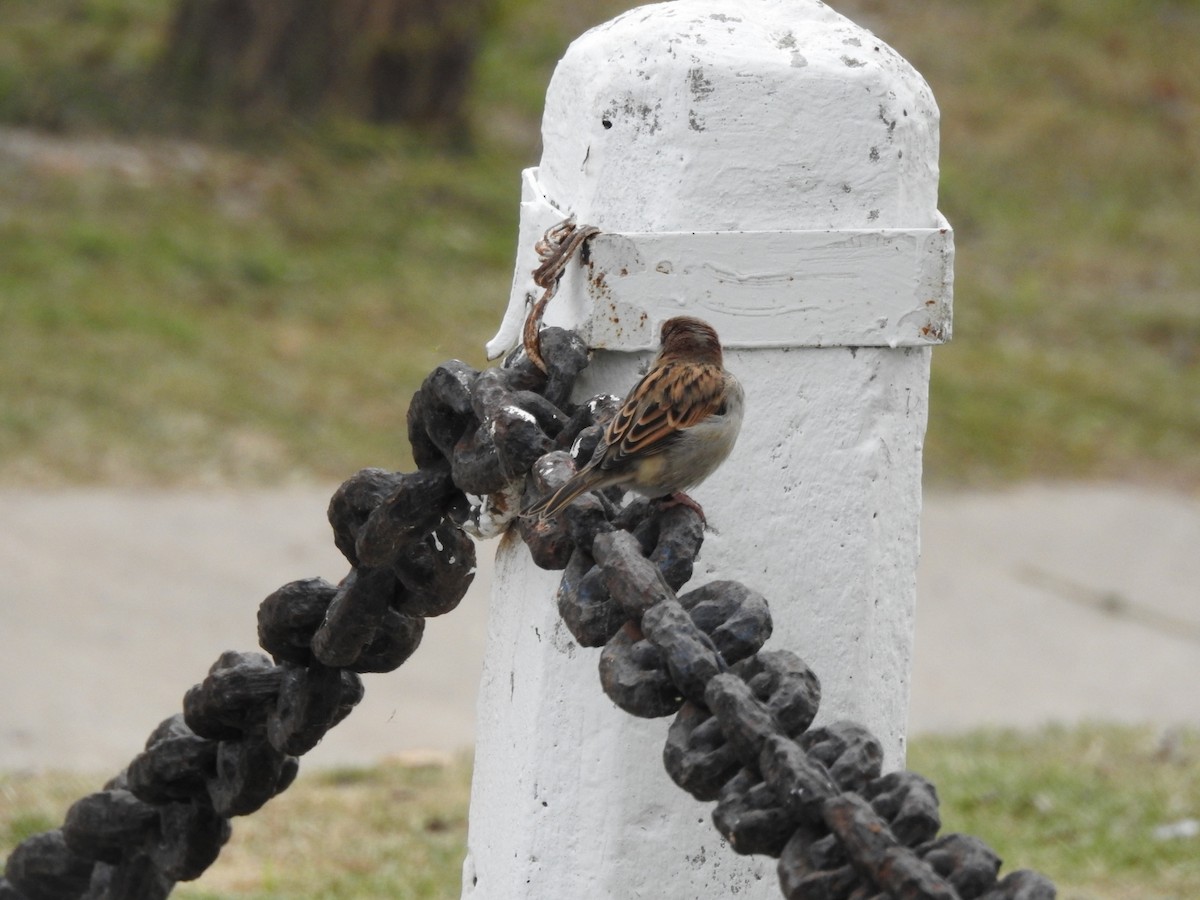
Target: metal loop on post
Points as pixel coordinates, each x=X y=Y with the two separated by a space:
x=556 y=248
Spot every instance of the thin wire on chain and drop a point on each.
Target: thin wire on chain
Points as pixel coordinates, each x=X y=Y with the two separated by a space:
x=556 y=248
x=816 y=799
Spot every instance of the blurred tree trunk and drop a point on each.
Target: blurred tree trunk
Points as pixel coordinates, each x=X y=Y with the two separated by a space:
x=383 y=60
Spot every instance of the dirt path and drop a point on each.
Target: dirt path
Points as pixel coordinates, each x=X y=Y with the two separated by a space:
x=1043 y=603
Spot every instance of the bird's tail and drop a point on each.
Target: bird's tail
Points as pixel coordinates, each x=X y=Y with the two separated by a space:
x=554 y=503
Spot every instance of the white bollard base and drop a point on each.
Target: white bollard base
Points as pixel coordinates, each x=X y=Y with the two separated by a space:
x=570 y=797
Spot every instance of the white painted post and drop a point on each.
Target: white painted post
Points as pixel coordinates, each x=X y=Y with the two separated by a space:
x=772 y=167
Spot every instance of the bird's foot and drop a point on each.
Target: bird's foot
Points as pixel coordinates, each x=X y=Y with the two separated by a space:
x=679 y=498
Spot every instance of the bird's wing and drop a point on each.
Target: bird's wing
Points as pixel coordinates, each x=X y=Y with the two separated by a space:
x=668 y=399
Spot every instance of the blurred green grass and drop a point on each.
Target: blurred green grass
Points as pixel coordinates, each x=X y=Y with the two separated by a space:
x=184 y=299
x=1083 y=805
x=1091 y=806
x=1070 y=134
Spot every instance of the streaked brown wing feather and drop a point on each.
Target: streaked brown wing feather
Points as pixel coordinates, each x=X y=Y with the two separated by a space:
x=668 y=399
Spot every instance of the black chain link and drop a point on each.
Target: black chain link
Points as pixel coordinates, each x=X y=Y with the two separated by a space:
x=814 y=798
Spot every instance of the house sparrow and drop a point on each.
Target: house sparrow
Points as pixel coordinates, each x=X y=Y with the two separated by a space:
x=675 y=427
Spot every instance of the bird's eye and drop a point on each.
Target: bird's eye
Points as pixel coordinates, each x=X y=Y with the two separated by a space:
x=721 y=409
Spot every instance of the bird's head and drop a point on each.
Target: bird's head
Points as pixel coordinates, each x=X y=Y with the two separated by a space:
x=691 y=338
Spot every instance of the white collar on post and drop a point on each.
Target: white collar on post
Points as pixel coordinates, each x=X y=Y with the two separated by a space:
x=886 y=287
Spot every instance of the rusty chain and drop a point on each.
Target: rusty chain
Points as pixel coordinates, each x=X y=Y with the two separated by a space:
x=816 y=799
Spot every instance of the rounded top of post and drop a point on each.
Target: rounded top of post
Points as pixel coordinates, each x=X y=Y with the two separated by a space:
x=739 y=115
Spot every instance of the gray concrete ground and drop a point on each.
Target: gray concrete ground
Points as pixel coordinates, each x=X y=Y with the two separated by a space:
x=1043 y=603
